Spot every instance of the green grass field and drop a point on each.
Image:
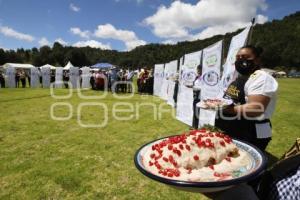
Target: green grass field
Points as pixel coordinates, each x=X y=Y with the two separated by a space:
x=43 y=158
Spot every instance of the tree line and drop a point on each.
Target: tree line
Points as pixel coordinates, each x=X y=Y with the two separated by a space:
x=280 y=40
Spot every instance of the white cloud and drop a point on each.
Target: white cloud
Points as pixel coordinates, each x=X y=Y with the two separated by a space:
x=108 y=31
x=77 y=31
x=92 y=43
x=170 y=41
x=260 y=19
x=9 y=32
x=212 y=16
x=74 y=8
x=43 y=41
x=61 y=41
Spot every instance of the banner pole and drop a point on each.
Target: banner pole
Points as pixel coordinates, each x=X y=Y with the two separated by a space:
x=249 y=39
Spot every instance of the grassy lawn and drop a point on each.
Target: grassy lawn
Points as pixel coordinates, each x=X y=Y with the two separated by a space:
x=43 y=158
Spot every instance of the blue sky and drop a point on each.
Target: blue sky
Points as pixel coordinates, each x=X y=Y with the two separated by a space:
x=125 y=24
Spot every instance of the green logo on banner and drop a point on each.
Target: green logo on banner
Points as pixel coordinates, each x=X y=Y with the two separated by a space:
x=211 y=60
x=191 y=64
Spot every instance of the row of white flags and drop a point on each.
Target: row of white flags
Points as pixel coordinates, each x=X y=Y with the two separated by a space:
x=213 y=84
x=45 y=74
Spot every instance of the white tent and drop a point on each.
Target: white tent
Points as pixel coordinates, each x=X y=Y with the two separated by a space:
x=269 y=71
x=68 y=66
x=47 y=65
x=17 y=65
x=281 y=73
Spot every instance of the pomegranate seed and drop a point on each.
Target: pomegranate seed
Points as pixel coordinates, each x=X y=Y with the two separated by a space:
x=189 y=170
x=216 y=174
x=181 y=146
x=170 y=147
x=176 y=172
x=188 y=147
x=157 y=166
x=211 y=167
x=152 y=155
x=196 y=157
x=150 y=163
x=222 y=143
x=228 y=159
x=170 y=174
x=178 y=152
x=175 y=163
x=165 y=159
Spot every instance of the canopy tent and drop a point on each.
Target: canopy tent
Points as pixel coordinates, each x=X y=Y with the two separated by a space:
x=103 y=66
x=47 y=65
x=94 y=70
x=269 y=71
x=281 y=73
x=17 y=65
x=68 y=66
x=83 y=67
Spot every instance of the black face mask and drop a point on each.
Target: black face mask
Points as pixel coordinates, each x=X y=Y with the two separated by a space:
x=245 y=67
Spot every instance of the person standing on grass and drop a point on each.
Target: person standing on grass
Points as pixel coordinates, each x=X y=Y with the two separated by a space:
x=139 y=77
x=2 y=80
x=17 y=78
x=23 y=78
x=254 y=95
x=196 y=96
x=129 y=79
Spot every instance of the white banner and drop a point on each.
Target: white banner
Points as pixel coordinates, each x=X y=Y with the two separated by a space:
x=164 y=86
x=85 y=77
x=211 y=71
x=184 y=111
x=229 y=72
x=58 y=77
x=171 y=82
x=158 y=78
x=34 y=77
x=45 y=77
x=74 y=77
x=211 y=65
x=10 y=77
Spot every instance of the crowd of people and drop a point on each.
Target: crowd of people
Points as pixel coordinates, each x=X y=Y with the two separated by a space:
x=115 y=79
x=145 y=81
x=21 y=76
x=121 y=80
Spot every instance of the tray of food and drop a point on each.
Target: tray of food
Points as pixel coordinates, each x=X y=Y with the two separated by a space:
x=200 y=161
x=214 y=104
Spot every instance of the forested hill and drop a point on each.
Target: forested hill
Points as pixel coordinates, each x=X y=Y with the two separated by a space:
x=280 y=40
